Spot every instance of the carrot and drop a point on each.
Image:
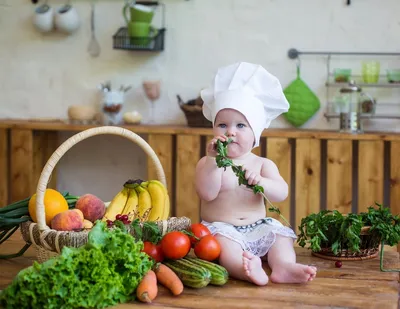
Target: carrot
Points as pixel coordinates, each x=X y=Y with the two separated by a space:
x=147 y=289
x=169 y=279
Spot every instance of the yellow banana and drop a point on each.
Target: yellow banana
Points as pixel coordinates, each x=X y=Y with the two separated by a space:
x=116 y=205
x=131 y=207
x=157 y=195
x=144 y=203
x=167 y=206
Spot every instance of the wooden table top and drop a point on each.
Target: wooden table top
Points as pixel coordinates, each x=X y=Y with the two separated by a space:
x=357 y=284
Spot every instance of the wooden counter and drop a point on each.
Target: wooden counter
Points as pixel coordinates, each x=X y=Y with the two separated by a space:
x=324 y=169
x=358 y=284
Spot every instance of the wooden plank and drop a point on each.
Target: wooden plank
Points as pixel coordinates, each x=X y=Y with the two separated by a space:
x=366 y=286
x=162 y=145
x=21 y=184
x=370 y=174
x=279 y=151
x=44 y=144
x=188 y=154
x=184 y=129
x=339 y=176
x=395 y=180
x=308 y=171
x=4 y=167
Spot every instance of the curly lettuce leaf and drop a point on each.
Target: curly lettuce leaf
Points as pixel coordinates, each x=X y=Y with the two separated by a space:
x=104 y=272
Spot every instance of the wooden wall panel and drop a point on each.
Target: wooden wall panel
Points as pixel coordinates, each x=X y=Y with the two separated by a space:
x=44 y=145
x=21 y=164
x=370 y=174
x=339 y=175
x=395 y=180
x=308 y=173
x=187 y=155
x=162 y=145
x=279 y=151
x=4 y=164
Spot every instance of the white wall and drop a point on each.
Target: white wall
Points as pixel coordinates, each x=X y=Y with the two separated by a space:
x=41 y=75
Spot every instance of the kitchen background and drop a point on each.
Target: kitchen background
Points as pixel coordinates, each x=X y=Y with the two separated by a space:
x=41 y=75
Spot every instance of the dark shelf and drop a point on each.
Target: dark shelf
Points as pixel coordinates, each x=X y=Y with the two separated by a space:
x=122 y=40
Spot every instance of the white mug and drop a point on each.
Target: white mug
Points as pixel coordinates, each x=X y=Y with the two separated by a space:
x=67 y=19
x=43 y=18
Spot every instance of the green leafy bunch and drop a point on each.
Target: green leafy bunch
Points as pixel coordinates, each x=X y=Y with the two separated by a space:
x=104 y=272
x=330 y=228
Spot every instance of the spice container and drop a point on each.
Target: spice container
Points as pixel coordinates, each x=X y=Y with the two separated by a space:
x=342 y=75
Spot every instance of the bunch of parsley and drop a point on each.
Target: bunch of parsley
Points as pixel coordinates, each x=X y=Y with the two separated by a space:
x=331 y=229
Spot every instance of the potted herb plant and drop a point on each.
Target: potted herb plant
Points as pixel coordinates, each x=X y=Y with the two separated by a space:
x=332 y=235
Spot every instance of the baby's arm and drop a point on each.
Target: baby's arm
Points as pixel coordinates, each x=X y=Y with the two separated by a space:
x=275 y=187
x=208 y=178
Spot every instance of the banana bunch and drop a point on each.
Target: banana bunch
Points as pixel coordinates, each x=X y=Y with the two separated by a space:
x=143 y=200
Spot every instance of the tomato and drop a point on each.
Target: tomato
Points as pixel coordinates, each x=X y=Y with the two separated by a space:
x=175 y=245
x=207 y=248
x=154 y=251
x=199 y=230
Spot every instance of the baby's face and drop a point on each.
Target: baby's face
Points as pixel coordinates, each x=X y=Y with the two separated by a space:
x=234 y=124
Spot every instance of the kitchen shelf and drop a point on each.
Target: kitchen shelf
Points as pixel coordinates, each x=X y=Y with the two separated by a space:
x=365 y=85
x=364 y=116
x=330 y=81
x=122 y=39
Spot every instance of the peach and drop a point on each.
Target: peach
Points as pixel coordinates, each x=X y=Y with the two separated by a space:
x=68 y=220
x=91 y=206
x=80 y=213
x=87 y=224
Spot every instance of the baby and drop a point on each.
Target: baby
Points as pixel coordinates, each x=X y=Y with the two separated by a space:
x=242 y=101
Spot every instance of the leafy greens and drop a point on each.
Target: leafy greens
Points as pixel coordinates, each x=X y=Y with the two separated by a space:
x=104 y=272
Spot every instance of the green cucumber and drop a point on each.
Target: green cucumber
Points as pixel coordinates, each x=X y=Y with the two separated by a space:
x=191 y=275
x=219 y=275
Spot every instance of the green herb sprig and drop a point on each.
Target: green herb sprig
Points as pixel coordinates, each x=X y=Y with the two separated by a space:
x=223 y=161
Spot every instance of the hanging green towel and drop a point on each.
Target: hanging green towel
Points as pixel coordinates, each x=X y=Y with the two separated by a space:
x=303 y=102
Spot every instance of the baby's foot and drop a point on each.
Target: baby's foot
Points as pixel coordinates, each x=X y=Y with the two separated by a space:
x=253 y=269
x=293 y=273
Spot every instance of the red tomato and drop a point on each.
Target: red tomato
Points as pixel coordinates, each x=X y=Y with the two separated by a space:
x=153 y=251
x=208 y=248
x=199 y=230
x=175 y=245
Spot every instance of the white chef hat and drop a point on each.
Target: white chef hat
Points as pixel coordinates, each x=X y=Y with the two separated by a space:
x=249 y=89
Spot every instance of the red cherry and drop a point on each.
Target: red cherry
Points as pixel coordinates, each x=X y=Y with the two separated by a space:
x=118 y=217
x=124 y=218
x=338 y=264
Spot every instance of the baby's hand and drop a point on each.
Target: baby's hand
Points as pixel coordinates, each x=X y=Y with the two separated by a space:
x=252 y=177
x=212 y=145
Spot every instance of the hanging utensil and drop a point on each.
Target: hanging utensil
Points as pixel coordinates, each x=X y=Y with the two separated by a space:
x=94 y=47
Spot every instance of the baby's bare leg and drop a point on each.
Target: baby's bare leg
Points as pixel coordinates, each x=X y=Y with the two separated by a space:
x=282 y=260
x=238 y=264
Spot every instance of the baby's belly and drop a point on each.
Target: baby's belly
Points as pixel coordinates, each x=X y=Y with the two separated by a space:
x=234 y=209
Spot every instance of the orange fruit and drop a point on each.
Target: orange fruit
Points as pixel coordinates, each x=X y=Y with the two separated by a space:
x=54 y=203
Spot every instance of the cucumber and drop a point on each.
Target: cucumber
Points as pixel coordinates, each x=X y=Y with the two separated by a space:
x=191 y=275
x=219 y=275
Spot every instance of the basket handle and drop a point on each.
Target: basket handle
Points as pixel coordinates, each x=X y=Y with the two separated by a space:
x=73 y=140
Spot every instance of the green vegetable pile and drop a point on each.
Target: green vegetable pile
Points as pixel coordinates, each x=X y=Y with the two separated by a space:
x=331 y=229
x=104 y=272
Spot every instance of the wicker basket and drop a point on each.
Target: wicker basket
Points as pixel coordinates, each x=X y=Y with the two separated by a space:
x=194 y=113
x=49 y=242
x=369 y=249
